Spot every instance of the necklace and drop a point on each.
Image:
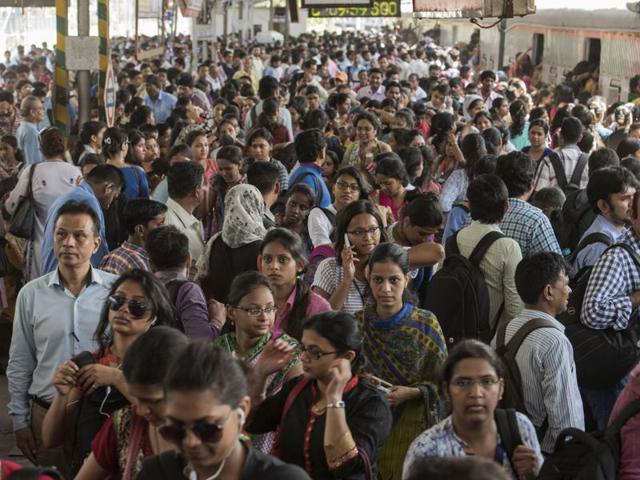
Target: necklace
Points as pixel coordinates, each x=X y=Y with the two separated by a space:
x=193 y=475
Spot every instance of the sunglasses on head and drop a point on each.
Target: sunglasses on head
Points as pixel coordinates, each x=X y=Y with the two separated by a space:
x=205 y=431
x=137 y=308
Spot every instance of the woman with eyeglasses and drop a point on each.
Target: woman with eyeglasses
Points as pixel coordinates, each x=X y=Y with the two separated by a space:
x=131 y=434
x=206 y=407
x=359 y=230
x=93 y=381
x=331 y=421
x=252 y=310
x=362 y=152
x=404 y=347
x=473 y=383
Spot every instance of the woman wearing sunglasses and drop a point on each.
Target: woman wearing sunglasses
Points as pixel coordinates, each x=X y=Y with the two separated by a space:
x=137 y=301
x=252 y=310
x=131 y=434
x=207 y=404
x=404 y=346
x=473 y=383
x=330 y=422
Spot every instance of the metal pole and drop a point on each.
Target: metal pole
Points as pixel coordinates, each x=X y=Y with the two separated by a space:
x=287 y=23
x=103 y=32
x=83 y=76
x=61 y=97
x=502 y=28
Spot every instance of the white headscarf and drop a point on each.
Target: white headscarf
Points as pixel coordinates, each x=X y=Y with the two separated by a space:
x=468 y=100
x=243 y=212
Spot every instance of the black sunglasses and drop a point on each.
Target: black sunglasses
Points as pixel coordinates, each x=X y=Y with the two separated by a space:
x=137 y=308
x=207 y=432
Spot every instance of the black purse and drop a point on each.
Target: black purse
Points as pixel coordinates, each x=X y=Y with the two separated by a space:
x=24 y=218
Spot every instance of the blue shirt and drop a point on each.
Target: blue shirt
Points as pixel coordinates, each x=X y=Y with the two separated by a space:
x=314 y=180
x=456 y=220
x=50 y=326
x=29 y=142
x=530 y=227
x=161 y=192
x=136 y=184
x=589 y=255
x=82 y=193
x=162 y=107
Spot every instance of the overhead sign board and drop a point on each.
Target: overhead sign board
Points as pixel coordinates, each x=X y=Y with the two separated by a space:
x=110 y=96
x=335 y=3
x=190 y=8
x=472 y=8
x=82 y=53
x=149 y=8
x=379 y=8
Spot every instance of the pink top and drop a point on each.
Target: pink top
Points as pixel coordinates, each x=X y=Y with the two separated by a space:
x=630 y=433
x=386 y=201
x=317 y=304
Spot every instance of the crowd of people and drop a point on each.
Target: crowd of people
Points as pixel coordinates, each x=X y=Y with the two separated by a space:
x=343 y=258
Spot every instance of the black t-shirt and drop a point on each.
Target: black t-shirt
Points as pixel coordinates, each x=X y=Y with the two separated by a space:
x=258 y=466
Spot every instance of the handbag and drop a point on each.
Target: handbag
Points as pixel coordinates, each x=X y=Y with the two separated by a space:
x=24 y=218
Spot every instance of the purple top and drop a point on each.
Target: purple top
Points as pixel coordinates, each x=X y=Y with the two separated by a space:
x=317 y=304
x=630 y=433
x=191 y=306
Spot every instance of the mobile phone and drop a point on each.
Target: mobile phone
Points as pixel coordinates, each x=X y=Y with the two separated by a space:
x=83 y=359
x=347 y=243
x=380 y=385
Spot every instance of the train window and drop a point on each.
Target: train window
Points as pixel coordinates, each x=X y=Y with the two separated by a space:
x=593 y=51
x=538 y=48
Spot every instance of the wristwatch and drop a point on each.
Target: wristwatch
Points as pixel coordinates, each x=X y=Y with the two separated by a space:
x=338 y=404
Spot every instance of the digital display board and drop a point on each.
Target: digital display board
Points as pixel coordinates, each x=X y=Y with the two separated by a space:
x=379 y=8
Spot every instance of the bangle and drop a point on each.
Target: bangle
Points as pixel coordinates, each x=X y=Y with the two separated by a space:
x=338 y=404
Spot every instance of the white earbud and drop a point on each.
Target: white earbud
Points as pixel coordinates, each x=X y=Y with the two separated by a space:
x=242 y=416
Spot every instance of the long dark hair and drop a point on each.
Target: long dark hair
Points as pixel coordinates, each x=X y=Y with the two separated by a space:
x=293 y=244
x=518 y=112
x=88 y=130
x=392 y=253
x=156 y=293
x=344 y=217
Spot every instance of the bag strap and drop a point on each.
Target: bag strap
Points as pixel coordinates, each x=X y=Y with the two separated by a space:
x=462 y=206
x=631 y=409
x=451 y=248
x=523 y=332
x=632 y=253
x=596 y=237
x=558 y=168
x=576 y=176
x=483 y=245
x=293 y=394
x=507 y=423
x=30 y=185
x=134 y=446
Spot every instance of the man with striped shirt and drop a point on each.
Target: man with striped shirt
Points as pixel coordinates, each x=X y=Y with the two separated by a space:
x=545 y=357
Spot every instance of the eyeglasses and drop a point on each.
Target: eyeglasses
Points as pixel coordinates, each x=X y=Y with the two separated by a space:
x=354 y=187
x=362 y=232
x=257 y=311
x=205 y=431
x=137 y=308
x=314 y=353
x=486 y=383
x=365 y=129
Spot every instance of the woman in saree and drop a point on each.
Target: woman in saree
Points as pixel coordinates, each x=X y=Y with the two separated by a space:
x=252 y=309
x=404 y=348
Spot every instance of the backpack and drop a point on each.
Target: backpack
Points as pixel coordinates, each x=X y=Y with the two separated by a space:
x=588 y=456
x=513 y=395
x=508 y=429
x=317 y=186
x=602 y=357
x=34 y=473
x=457 y=294
x=577 y=217
x=573 y=184
x=596 y=237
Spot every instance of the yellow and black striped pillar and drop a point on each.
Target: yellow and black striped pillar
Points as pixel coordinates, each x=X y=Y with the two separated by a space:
x=103 y=32
x=61 y=94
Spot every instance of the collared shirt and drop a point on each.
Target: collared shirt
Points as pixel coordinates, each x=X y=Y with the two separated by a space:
x=589 y=255
x=549 y=382
x=317 y=304
x=191 y=306
x=124 y=258
x=498 y=267
x=369 y=93
x=29 y=142
x=283 y=119
x=162 y=107
x=283 y=175
x=530 y=227
x=569 y=156
x=50 y=326
x=314 y=180
x=615 y=276
x=441 y=440
x=418 y=95
x=488 y=102
x=187 y=224
x=82 y=193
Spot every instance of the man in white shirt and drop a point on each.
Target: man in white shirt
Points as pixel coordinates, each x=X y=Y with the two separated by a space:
x=375 y=90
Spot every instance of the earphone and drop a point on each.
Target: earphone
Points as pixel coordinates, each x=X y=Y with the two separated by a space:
x=153 y=322
x=242 y=416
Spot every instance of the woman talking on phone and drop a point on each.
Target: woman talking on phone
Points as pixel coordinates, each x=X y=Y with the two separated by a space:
x=331 y=422
x=404 y=348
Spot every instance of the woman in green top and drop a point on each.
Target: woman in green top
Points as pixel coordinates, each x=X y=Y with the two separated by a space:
x=404 y=348
x=252 y=309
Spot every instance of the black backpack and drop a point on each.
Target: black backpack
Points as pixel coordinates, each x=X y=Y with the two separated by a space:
x=596 y=237
x=577 y=217
x=603 y=357
x=513 y=396
x=457 y=294
x=508 y=429
x=573 y=184
x=588 y=456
